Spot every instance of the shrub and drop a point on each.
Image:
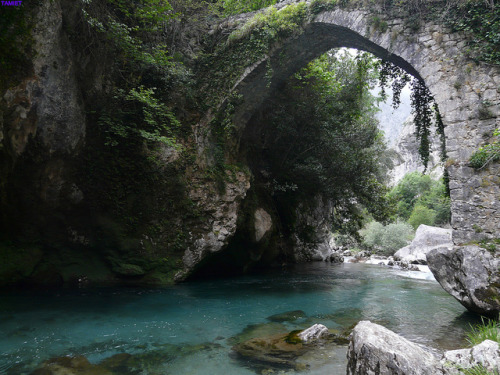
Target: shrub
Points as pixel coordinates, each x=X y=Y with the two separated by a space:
x=387 y=239
x=422 y=215
x=489 y=329
x=487 y=153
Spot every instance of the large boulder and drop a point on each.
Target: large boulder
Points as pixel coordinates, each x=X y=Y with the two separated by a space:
x=375 y=350
x=471 y=275
x=426 y=239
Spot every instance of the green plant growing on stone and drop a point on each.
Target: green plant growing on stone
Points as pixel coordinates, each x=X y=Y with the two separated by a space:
x=487 y=153
x=318 y=6
x=274 y=23
x=231 y=7
x=478 y=370
x=488 y=329
x=477 y=228
x=379 y=24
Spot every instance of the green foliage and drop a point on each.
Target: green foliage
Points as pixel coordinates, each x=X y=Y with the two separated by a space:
x=489 y=329
x=318 y=6
x=242 y=6
x=319 y=136
x=419 y=196
x=387 y=239
x=424 y=109
x=15 y=43
x=422 y=215
x=478 y=370
x=487 y=153
x=273 y=23
x=481 y=22
x=379 y=24
x=138 y=114
x=492 y=245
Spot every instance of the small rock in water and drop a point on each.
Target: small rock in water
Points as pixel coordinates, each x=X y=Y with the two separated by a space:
x=336 y=258
x=288 y=316
x=313 y=333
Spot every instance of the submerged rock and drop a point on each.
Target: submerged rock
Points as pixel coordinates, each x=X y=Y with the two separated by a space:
x=288 y=316
x=258 y=330
x=283 y=350
x=471 y=275
x=376 y=350
x=426 y=239
x=78 y=365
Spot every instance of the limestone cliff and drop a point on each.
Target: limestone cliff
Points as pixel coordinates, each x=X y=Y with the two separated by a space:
x=407 y=158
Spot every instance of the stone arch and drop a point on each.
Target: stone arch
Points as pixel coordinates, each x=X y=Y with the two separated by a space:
x=459 y=86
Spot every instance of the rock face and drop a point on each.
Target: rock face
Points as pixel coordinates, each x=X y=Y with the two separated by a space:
x=263 y=223
x=470 y=274
x=426 y=239
x=375 y=350
x=407 y=157
x=312 y=239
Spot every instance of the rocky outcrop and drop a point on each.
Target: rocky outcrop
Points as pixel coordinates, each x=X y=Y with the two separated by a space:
x=312 y=235
x=375 y=350
x=223 y=212
x=470 y=274
x=485 y=354
x=426 y=239
x=407 y=158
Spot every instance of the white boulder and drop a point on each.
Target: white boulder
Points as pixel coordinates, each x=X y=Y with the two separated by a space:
x=426 y=239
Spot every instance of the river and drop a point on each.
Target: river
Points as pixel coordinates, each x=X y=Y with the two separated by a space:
x=190 y=328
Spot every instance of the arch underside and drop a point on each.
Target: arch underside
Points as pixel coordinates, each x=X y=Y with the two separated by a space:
x=316 y=39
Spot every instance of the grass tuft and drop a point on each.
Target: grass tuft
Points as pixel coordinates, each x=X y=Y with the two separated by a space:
x=489 y=329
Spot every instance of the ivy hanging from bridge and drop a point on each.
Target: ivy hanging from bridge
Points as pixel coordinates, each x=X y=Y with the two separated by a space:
x=422 y=103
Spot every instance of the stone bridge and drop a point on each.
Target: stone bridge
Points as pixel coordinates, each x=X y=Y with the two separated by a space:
x=467 y=93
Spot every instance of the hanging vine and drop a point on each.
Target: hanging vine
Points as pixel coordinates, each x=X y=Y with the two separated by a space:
x=422 y=103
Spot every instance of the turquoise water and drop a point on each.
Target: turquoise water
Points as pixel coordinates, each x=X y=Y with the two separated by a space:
x=190 y=328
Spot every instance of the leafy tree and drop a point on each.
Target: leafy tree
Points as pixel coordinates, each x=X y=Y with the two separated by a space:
x=319 y=136
x=422 y=215
x=416 y=189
